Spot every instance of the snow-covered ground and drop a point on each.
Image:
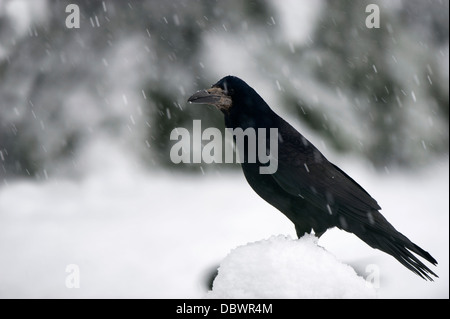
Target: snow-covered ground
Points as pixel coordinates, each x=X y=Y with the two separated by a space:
x=134 y=233
x=281 y=267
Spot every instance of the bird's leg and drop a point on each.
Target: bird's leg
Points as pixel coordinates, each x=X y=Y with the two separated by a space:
x=319 y=230
x=319 y=233
x=305 y=229
x=301 y=230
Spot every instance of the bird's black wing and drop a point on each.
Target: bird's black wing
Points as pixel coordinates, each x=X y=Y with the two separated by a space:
x=303 y=171
x=325 y=186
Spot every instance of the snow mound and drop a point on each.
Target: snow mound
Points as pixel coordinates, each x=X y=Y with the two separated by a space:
x=281 y=267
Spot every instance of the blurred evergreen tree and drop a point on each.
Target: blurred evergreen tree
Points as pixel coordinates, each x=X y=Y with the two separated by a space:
x=129 y=69
x=389 y=98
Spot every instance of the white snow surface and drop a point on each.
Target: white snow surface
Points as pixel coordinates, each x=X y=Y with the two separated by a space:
x=281 y=267
x=134 y=233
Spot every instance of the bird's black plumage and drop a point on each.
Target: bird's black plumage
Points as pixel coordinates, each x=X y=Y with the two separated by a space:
x=311 y=191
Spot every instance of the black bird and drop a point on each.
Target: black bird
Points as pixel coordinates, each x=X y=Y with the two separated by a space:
x=312 y=192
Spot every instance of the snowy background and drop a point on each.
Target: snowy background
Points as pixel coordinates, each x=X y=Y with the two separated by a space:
x=85 y=118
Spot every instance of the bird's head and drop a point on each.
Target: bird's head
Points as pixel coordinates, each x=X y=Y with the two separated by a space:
x=230 y=94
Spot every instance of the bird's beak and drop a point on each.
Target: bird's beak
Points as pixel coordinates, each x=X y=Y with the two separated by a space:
x=214 y=96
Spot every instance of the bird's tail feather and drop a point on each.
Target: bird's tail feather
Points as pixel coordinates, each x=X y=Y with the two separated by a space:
x=402 y=249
